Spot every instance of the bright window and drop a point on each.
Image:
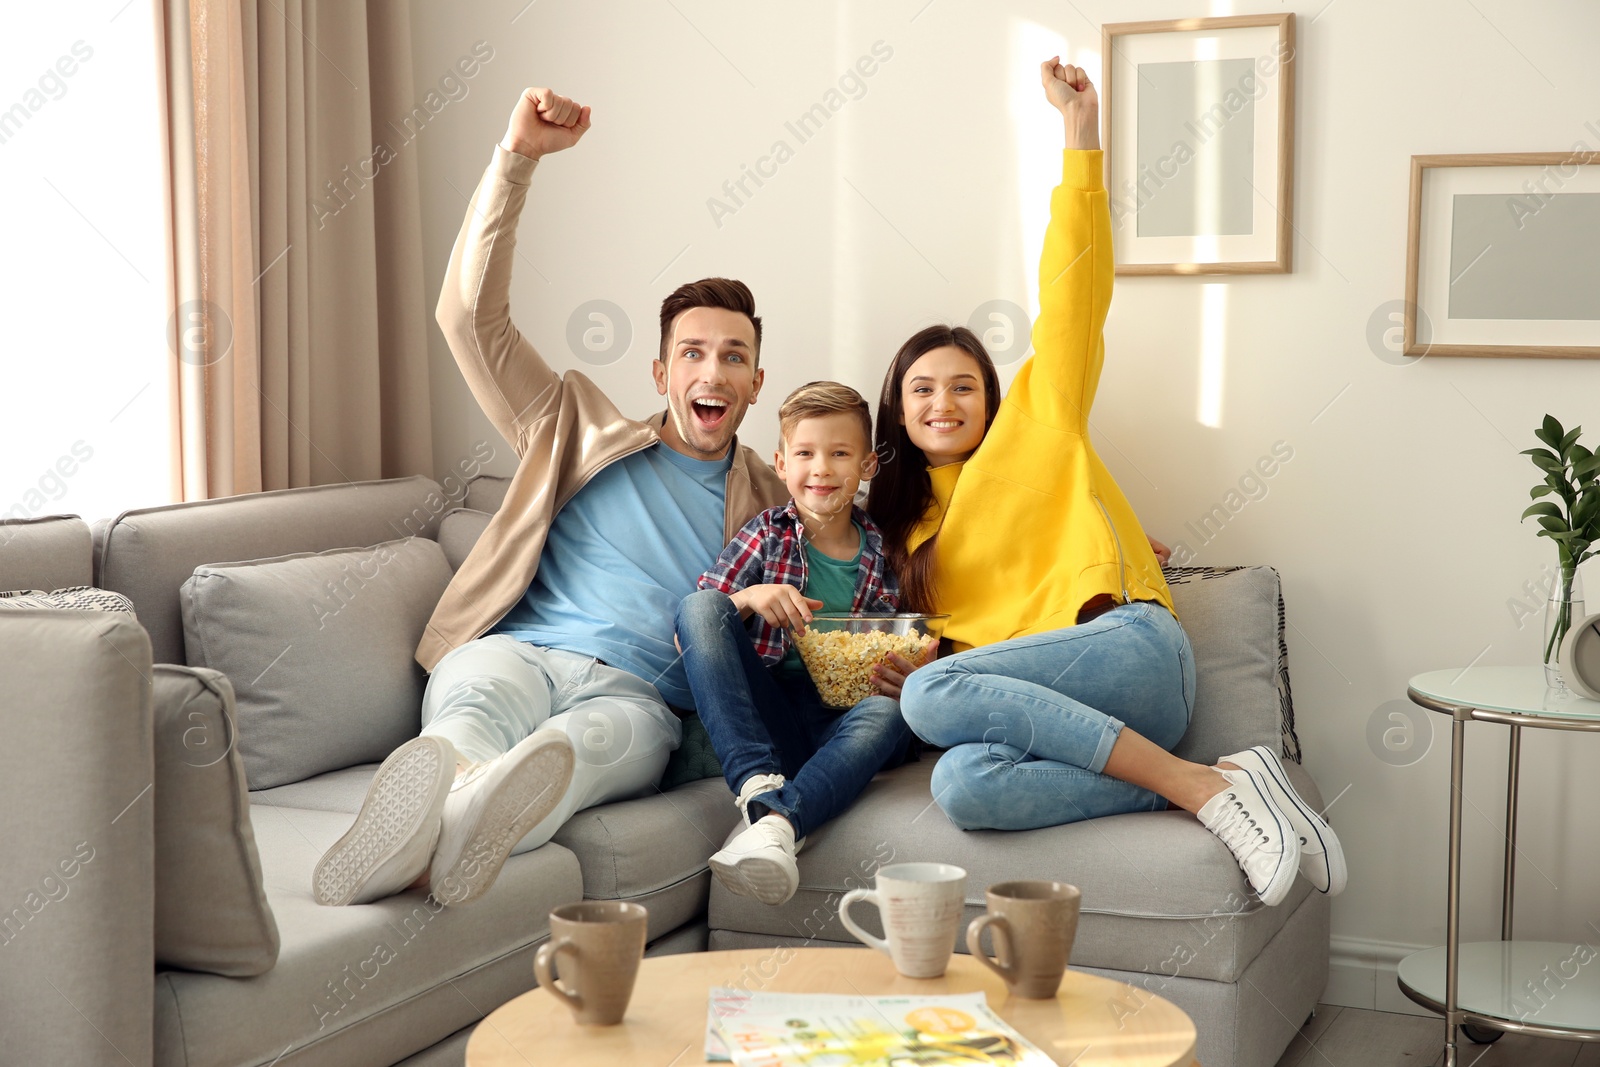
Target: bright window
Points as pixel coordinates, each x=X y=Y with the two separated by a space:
x=83 y=349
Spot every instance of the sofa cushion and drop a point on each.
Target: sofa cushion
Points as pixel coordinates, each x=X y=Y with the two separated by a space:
x=341 y=790
x=487 y=492
x=319 y=647
x=459 y=530
x=72 y=598
x=632 y=847
x=651 y=850
x=363 y=985
x=149 y=553
x=211 y=910
x=1234 y=619
x=1158 y=890
x=45 y=552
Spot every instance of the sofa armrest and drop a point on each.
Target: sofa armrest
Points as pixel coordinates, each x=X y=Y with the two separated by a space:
x=76 y=880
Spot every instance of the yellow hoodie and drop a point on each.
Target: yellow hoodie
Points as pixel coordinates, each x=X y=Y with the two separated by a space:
x=1032 y=526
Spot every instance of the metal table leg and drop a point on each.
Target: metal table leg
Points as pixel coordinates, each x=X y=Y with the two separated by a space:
x=1508 y=890
x=1452 y=1013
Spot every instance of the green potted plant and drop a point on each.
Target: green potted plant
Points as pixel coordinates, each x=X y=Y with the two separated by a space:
x=1572 y=521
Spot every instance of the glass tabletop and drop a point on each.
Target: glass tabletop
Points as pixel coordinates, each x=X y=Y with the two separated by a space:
x=1538 y=983
x=1518 y=690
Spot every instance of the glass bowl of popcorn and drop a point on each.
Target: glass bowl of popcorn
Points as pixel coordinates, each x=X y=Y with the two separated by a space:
x=840 y=649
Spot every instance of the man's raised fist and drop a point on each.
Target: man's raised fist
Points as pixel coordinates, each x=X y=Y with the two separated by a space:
x=543 y=122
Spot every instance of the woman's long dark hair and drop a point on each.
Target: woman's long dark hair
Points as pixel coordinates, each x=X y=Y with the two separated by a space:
x=901 y=490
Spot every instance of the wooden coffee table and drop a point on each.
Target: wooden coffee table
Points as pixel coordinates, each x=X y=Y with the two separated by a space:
x=1092 y=1022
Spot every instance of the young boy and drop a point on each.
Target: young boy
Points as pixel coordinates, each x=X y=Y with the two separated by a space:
x=792 y=763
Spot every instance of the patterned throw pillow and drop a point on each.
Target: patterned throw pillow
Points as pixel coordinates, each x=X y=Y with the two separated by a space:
x=694 y=759
x=1291 y=741
x=73 y=598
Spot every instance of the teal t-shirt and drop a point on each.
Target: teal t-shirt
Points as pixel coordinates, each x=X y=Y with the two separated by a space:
x=832 y=581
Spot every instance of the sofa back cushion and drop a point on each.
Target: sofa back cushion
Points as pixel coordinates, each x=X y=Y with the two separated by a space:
x=320 y=650
x=1234 y=618
x=149 y=553
x=45 y=552
x=459 y=530
x=211 y=910
x=486 y=492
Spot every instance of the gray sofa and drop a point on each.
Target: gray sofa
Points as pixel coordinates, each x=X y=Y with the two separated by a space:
x=1165 y=908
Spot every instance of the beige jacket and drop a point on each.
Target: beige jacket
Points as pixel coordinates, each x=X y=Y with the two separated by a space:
x=563 y=428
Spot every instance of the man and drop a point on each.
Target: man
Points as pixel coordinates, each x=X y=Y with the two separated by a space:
x=553 y=670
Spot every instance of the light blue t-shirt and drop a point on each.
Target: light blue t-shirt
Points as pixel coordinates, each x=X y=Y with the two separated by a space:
x=626 y=548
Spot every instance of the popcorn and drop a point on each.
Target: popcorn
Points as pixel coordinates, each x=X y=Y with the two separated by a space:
x=840 y=663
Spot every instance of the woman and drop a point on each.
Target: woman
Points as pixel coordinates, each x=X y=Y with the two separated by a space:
x=1072 y=680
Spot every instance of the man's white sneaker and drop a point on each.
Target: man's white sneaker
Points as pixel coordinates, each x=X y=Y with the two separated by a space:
x=760 y=862
x=391 y=841
x=1256 y=831
x=1321 y=856
x=491 y=806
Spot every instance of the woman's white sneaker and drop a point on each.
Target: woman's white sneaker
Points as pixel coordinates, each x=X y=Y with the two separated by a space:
x=1258 y=833
x=491 y=806
x=1321 y=855
x=391 y=842
x=760 y=862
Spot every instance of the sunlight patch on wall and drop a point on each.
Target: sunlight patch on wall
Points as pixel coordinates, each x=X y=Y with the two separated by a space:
x=1213 y=350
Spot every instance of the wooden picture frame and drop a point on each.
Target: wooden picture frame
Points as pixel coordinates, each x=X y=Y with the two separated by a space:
x=1516 y=215
x=1208 y=69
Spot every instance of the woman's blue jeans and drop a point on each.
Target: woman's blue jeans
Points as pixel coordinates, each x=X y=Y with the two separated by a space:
x=762 y=722
x=1029 y=723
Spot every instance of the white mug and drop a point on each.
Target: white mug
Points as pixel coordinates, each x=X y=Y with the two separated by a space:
x=921 y=905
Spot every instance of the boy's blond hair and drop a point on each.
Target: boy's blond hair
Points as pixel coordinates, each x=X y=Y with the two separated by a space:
x=816 y=399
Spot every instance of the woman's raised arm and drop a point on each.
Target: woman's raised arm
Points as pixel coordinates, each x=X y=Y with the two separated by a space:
x=1076 y=267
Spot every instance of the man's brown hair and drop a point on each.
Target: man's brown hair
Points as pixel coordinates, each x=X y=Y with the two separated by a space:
x=726 y=293
x=816 y=399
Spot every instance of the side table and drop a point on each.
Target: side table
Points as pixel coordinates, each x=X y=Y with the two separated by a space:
x=1503 y=985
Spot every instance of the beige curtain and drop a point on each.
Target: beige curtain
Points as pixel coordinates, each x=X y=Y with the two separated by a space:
x=299 y=322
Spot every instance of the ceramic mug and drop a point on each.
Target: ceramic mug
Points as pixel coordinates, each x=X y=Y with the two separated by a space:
x=921 y=906
x=604 y=942
x=1033 y=924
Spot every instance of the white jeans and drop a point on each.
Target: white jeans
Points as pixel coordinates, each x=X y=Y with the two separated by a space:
x=488 y=694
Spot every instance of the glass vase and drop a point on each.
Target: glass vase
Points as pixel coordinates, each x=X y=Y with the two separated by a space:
x=1564 y=607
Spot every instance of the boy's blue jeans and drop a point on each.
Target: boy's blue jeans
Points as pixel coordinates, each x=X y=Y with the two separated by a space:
x=1029 y=723
x=761 y=722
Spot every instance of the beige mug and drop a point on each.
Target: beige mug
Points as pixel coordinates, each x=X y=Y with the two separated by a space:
x=604 y=942
x=1033 y=924
x=921 y=906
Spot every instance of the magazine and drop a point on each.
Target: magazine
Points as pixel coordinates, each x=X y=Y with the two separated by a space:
x=839 y=1030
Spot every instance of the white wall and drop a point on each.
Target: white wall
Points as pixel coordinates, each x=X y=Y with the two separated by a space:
x=1395 y=523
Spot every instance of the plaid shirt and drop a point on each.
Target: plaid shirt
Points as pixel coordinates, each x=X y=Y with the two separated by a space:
x=771 y=549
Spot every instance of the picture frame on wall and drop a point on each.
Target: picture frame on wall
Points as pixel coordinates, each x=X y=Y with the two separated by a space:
x=1197 y=123
x=1503 y=255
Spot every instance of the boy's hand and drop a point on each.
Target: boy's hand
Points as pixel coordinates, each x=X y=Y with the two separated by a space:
x=781 y=605
x=889 y=677
x=1070 y=92
x=543 y=122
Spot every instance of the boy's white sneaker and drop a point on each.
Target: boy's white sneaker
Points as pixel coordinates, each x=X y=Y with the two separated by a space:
x=760 y=862
x=1321 y=856
x=491 y=806
x=389 y=845
x=1257 y=832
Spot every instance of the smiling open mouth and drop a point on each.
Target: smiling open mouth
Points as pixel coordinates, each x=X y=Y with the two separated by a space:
x=709 y=412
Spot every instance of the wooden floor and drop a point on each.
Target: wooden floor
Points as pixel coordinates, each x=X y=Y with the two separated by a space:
x=1353 y=1037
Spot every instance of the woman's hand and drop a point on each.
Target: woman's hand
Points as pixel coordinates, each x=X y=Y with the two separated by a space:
x=1070 y=92
x=781 y=605
x=890 y=676
x=1163 y=553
